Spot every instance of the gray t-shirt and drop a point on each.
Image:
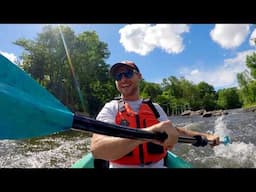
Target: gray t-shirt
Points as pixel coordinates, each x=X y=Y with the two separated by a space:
x=110 y=109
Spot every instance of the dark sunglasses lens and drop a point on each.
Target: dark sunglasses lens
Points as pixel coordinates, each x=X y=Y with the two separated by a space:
x=128 y=74
x=118 y=76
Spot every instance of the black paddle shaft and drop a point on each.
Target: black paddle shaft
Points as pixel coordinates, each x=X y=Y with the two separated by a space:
x=196 y=140
x=89 y=124
x=95 y=126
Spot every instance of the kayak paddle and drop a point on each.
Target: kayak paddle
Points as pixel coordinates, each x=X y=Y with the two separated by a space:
x=29 y=110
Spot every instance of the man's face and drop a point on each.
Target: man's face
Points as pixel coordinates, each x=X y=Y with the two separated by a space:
x=127 y=81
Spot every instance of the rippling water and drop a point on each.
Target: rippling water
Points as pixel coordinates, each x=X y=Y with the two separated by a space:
x=240 y=126
x=63 y=149
x=55 y=151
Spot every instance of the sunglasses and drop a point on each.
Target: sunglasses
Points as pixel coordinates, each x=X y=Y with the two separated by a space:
x=128 y=74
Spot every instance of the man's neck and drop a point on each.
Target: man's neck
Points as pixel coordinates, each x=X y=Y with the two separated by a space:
x=131 y=98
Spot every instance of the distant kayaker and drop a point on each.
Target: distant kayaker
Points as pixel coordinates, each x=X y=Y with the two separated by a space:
x=135 y=112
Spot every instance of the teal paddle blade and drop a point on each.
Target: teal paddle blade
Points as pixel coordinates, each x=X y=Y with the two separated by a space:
x=14 y=76
x=27 y=109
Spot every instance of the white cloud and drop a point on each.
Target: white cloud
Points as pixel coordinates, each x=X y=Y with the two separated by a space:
x=253 y=38
x=230 y=35
x=194 y=72
x=143 y=38
x=10 y=56
x=224 y=76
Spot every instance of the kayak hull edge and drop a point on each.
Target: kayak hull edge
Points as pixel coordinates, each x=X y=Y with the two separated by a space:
x=172 y=161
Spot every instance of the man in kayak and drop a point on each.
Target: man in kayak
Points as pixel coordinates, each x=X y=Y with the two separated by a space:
x=130 y=110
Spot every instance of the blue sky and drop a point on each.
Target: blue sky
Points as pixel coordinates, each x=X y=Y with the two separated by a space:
x=213 y=53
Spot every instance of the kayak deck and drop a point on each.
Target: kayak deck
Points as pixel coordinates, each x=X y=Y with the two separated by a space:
x=172 y=161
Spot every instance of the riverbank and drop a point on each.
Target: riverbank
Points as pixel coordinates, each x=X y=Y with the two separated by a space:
x=251 y=108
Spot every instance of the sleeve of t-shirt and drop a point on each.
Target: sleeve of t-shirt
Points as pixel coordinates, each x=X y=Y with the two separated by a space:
x=108 y=112
x=163 y=116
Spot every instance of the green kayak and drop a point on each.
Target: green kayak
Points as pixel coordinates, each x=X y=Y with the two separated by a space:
x=172 y=161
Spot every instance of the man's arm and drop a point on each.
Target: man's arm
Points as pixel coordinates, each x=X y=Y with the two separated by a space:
x=184 y=132
x=111 y=148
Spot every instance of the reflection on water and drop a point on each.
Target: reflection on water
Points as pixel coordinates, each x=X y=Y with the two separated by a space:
x=63 y=149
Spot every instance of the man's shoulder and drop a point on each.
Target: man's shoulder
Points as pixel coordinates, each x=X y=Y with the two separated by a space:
x=111 y=103
x=157 y=105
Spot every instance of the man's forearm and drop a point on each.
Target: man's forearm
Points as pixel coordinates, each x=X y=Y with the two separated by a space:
x=190 y=133
x=111 y=148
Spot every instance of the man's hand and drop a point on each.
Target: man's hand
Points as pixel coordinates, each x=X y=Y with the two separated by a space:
x=168 y=128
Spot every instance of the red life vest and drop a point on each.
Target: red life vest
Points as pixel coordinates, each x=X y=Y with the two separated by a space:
x=147 y=115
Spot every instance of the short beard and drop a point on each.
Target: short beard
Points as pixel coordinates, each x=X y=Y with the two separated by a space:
x=134 y=91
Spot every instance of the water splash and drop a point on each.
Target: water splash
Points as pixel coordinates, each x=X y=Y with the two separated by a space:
x=235 y=154
x=48 y=152
x=220 y=127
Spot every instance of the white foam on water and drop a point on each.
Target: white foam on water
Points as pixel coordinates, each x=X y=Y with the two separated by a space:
x=221 y=128
x=239 y=153
x=60 y=156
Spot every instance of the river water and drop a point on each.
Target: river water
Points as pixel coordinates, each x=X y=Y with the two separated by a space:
x=63 y=149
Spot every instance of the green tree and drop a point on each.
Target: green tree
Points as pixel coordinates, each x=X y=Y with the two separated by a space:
x=207 y=96
x=251 y=64
x=246 y=81
x=181 y=93
x=150 y=90
x=228 y=98
x=47 y=61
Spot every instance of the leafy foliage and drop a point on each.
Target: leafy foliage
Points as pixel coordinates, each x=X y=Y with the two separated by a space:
x=58 y=70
